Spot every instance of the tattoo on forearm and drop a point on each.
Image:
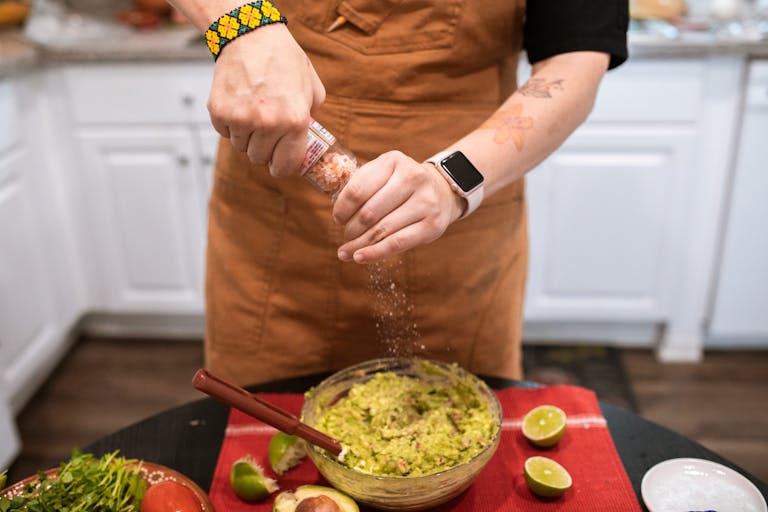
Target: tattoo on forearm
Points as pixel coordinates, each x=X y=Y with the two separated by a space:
x=540 y=87
x=509 y=124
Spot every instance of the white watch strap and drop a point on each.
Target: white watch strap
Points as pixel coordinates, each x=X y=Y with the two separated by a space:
x=474 y=197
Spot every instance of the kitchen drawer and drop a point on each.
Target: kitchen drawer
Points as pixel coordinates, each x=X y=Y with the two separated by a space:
x=140 y=93
x=649 y=90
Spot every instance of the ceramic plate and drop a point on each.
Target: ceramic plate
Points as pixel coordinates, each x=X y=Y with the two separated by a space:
x=152 y=473
x=682 y=485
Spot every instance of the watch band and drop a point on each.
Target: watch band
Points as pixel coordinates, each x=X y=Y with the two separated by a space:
x=474 y=197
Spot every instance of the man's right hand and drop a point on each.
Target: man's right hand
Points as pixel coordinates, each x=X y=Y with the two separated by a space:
x=263 y=93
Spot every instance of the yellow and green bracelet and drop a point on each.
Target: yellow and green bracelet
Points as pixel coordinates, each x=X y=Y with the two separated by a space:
x=240 y=21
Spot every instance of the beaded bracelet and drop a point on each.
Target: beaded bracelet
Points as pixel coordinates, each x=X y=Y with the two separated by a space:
x=240 y=21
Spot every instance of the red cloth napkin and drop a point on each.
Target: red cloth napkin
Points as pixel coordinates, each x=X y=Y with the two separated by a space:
x=586 y=451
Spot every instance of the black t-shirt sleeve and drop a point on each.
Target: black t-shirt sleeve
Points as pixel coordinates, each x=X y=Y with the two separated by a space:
x=560 y=26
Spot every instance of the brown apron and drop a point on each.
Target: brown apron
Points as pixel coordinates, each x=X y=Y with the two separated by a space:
x=407 y=75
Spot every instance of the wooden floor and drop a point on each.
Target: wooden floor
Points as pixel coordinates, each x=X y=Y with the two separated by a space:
x=101 y=386
x=721 y=402
x=104 y=385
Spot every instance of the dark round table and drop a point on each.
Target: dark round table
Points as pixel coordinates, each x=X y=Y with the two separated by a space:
x=188 y=438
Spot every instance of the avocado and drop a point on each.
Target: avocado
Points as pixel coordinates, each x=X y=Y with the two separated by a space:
x=313 y=498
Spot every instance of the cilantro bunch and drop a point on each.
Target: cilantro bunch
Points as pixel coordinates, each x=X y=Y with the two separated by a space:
x=84 y=483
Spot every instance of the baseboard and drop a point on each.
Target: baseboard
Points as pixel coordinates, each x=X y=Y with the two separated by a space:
x=736 y=343
x=590 y=333
x=33 y=367
x=174 y=326
x=193 y=326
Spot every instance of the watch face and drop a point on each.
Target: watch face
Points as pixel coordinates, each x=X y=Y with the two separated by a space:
x=462 y=171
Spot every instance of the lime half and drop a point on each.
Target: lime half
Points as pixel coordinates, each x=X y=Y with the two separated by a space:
x=249 y=482
x=285 y=452
x=544 y=425
x=545 y=477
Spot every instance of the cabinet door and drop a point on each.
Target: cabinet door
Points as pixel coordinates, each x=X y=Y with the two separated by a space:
x=26 y=317
x=740 y=314
x=603 y=214
x=207 y=140
x=29 y=324
x=143 y=202
x=9 y=436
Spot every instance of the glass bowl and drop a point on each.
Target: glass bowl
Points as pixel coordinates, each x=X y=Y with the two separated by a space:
x=398 y=492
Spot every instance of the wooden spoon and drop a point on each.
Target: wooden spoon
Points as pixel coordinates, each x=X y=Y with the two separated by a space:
x=270 y=414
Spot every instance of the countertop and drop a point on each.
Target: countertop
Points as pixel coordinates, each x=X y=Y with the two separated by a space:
x=692 y=44
x=18 y=54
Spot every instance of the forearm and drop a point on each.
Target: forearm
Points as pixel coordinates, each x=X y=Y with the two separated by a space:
x=536 y=119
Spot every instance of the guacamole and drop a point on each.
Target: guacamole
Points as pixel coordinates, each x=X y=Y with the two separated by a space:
x=397 y=425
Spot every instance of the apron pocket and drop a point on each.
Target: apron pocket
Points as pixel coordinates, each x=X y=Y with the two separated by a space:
x=366 y=15
x=376 y=27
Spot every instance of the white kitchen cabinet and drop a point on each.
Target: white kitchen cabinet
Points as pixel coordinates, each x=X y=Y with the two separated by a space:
x=24 y=314
x=98 y=212
x=605 y=207
x=207 y=140
x=39 y=300
x=602 y=225
x=146 y=151
x=25 y=306
x=740 y=310
x=38 y=297
x=624 y=216
x=145 y=218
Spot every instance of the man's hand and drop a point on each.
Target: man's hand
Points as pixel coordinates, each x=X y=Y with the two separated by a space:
x=263 y=93
x=393 y=204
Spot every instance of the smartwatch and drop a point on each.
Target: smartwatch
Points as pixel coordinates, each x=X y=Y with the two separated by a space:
x=464 y=178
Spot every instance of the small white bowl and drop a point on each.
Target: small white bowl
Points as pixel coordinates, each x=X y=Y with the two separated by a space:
x=696 y=484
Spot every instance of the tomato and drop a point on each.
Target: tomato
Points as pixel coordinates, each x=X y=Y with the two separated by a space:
x=169 y=496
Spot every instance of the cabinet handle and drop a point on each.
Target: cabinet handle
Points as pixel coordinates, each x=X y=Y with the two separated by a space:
x=187 y=99
x=206 y=160
x=183 y=160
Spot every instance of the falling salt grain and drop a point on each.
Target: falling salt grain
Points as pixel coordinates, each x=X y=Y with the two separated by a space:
x=395 y=330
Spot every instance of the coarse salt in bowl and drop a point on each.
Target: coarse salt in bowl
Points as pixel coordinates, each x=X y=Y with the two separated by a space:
x=408 y=492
